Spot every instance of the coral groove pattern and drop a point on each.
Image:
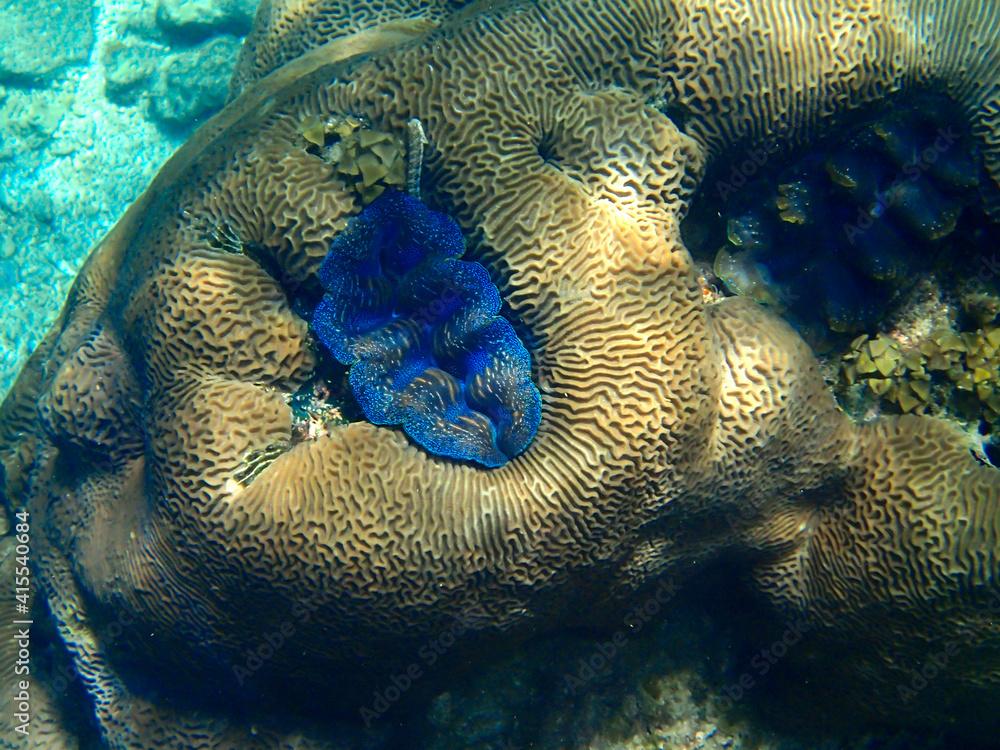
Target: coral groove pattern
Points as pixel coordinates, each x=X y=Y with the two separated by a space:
x=566 y=138
x=421 y=333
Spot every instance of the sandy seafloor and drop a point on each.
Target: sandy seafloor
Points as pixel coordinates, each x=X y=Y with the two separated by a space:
x=72 y=159
x=74 y=156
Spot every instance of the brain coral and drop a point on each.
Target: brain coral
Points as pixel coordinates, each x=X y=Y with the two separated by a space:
x=566 y=137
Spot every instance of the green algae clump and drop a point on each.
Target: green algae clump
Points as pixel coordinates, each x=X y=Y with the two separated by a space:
x=948 y=373
x=367 y=160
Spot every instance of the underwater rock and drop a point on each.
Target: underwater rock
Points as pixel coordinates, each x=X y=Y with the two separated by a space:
x=692 y=679
x=28 y=118
x=198 y=19
x=421 y=333
x=980 y=296
x=87 y=142
x=193 y=83
x=39 y=38
x=128 y=66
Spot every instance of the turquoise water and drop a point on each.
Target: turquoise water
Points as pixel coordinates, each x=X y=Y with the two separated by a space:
x=84 y=128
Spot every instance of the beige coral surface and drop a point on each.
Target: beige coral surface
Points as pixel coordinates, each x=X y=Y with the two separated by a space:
x=673 y=432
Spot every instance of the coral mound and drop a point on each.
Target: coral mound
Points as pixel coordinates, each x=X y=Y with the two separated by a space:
x=209 y=531
x=421 y=333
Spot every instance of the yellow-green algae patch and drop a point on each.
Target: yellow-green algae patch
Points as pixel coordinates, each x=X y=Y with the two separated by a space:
x=949 y=373
x=366 y=160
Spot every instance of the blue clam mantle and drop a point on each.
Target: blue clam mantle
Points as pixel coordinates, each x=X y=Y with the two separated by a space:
x=420 y=331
